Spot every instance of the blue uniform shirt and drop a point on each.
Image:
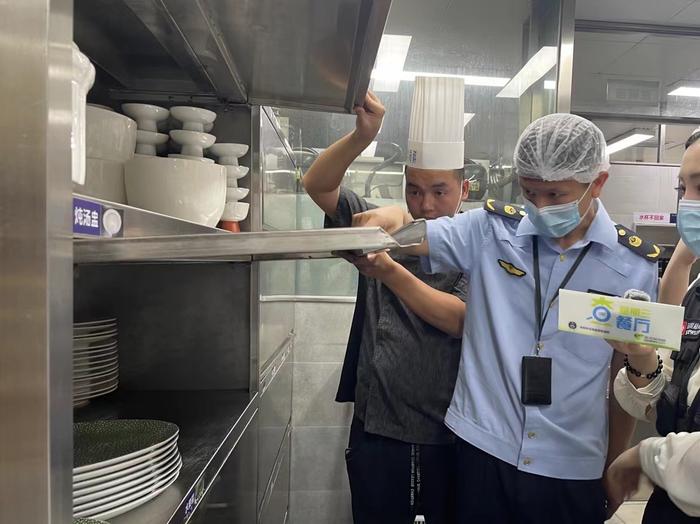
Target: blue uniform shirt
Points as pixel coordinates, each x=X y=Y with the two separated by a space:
x=567 y=439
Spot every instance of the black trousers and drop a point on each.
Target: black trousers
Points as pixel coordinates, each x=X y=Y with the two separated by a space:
x=392 y=481
x=661 y=510
x=495 y=492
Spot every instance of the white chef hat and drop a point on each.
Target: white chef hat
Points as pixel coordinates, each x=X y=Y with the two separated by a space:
x=561 y=147
x=436 y=133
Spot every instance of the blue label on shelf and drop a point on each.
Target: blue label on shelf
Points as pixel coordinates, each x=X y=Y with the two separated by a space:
x=87 y=217
x=194 y=497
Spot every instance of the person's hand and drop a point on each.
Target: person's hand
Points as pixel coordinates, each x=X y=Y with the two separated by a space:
x=389 y=218
x=375 y=265
x=632 y=350
x=622 y=478
x=369 y=119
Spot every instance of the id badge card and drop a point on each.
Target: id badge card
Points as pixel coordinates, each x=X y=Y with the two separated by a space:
x=536 y=389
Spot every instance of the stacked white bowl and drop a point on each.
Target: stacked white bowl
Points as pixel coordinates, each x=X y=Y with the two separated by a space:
x=186 y=185
x=110 y=142
x=147 y=117
x=95 y=360
x=228 y=154
x=191 y=138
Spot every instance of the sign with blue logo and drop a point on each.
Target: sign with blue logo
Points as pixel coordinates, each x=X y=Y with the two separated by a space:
x=93 y=219
x=87 y=217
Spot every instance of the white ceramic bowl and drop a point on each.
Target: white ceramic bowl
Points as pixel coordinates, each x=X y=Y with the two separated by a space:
x=235 y=211
x=193 y=118
x=229 y=150
x=193 y=143
x=103 y=179
x=148 y=141
x=231 y=182
x=234 y=194
x=110 y=136
x=236 y=171
x=147 y=116
x=195 y=158
x=185 y=189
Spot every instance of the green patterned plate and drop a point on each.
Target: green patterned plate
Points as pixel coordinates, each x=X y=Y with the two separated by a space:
x=89 y=521
x=107 y=442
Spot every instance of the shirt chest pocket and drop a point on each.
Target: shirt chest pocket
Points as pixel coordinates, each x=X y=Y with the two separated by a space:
x=577 y=349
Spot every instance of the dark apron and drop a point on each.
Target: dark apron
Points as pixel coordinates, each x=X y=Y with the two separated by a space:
x=674 y=415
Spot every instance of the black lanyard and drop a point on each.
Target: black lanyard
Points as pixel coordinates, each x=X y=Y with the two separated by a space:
x=538 y=291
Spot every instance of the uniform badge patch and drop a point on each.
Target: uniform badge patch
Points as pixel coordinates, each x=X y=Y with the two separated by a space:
x=511 y=269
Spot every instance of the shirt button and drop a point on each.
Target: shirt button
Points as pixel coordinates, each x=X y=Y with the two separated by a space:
x=527 y=461
x=531 y=435
x=562 y=257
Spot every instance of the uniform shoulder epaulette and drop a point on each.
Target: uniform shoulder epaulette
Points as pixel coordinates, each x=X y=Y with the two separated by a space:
x=511 y=211
x=634 y=242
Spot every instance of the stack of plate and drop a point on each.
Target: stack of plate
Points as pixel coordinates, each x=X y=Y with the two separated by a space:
x=89 y=521
x=122 y=464
x=95 y=361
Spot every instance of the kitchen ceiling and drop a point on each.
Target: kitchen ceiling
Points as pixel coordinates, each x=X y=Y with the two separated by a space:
x=674 y=12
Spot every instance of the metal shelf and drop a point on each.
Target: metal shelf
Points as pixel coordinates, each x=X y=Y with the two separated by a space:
x=268 y=245
x=211 y=424
x=313 y=55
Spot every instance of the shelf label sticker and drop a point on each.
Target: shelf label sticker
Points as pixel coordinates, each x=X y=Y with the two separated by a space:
x=87 y=217
x=653 y=218
x=93 y=219
x=194 y=497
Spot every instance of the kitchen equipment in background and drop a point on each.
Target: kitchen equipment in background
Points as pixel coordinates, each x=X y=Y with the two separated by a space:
x=478 y=180
x=119 y=465
x=181 y=188
x=95 y=360
x=83 y=77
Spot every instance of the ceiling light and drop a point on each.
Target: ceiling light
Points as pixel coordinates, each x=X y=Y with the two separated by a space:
x=538 y=66
x=468 y=117
x=627 y=140
x=391 y=58
x=410 y=76
x=550 y=85
x=686 y=91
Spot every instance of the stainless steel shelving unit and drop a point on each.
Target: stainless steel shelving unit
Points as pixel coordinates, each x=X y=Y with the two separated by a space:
x=224 y=55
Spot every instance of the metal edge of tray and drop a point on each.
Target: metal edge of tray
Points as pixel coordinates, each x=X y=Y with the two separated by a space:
x=232 y=247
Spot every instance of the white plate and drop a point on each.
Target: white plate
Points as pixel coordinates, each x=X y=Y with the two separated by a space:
x=110 y=332
x=91 y=342
x=125 y=481
x=103 y=389
x=97 y=354
x=98 y=380
x=132 y=501
x=83 y=375
x=108 y=345
x=88 y=502
x=95 y=366
x=120 y=463
x=95 y=323
x=100 y=356
x=91 y=389
x=129 y=472
x=95 y=394
x=94 y=330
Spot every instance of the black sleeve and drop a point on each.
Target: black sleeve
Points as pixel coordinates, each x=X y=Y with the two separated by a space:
x=349 y=204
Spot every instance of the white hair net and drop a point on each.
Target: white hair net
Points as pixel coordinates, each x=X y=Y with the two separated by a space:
x=561 y=147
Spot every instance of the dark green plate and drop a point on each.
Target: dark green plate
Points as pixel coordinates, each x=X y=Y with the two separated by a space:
x=105 y=442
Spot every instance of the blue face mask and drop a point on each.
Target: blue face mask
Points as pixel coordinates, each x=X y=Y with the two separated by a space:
x=555 y=221
x=689 y=224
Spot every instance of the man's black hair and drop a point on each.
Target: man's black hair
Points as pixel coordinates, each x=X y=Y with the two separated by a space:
x=693 y=138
